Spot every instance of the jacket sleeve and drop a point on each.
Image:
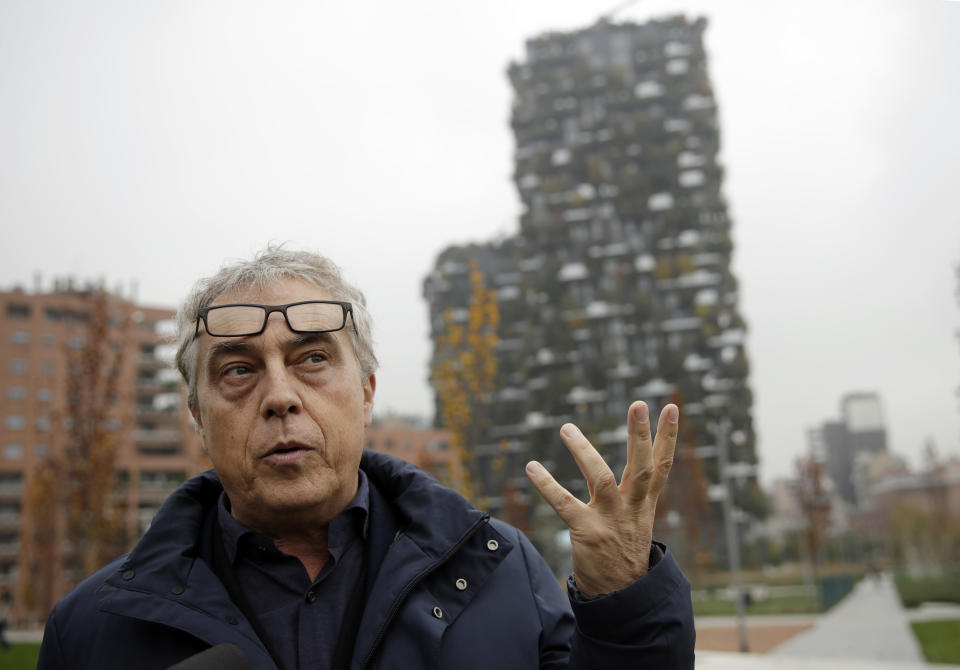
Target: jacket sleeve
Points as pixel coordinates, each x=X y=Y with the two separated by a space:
x=649 y=624
x=51 y=656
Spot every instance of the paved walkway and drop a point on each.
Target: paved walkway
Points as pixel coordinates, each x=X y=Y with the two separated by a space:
x=719 y=660
x=868 y=625
x=934 y=611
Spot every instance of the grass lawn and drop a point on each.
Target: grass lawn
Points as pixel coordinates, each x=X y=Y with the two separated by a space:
x=20 y=656
x=940 y=640
x=784 y=605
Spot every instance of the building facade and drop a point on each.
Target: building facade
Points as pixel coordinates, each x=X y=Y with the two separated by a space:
x=426 y=447
x=86 y=378
x=859 y=432
x=617 y=285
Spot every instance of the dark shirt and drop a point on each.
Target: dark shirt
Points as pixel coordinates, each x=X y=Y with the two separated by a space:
x=301 y=619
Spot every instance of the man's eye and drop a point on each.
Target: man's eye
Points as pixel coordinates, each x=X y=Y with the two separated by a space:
x=237 y=371
x=315 y=358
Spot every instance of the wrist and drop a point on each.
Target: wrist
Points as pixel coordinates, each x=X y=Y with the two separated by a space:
x=581 y=586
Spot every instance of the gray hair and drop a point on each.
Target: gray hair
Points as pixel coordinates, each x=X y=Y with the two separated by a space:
x=271 y=265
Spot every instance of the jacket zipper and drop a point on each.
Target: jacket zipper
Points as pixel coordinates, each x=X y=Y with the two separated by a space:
x=416 y=580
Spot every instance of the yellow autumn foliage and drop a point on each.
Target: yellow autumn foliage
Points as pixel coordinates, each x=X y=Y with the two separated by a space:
x=465 y=368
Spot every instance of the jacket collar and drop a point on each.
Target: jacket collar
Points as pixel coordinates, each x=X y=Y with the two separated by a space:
x=416 y=524
x=430 y=514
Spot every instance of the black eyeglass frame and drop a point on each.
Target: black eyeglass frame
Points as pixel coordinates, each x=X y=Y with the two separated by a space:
x=347 y=308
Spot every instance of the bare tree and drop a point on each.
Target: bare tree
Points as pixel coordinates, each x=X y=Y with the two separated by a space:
x=76 y=521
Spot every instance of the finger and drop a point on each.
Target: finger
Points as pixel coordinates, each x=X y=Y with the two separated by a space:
x=664 y=447
x=639 y=469
x=564 y=503
x=601 y=482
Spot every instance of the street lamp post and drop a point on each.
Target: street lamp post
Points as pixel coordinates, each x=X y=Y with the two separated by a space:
x=733 y=544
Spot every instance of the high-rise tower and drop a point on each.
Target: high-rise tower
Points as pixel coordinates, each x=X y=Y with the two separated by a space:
x=618 y=285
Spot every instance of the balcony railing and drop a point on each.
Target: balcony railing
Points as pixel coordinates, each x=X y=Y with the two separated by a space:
x=11 y=489
x=155 y=437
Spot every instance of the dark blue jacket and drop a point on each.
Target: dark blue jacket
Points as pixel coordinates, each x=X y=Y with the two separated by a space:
x=163 y=602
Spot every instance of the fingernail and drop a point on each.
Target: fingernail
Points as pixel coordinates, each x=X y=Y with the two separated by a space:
x=534 y=468
x=641 y=412
x=673 y=414
x=569 y=430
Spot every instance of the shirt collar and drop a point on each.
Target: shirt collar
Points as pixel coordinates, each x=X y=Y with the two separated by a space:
x=353 y=519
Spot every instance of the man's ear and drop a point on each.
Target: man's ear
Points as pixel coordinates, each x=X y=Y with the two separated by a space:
x=369 y=387
x=195 y=413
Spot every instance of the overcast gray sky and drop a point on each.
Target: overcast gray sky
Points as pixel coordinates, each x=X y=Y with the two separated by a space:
x=149 y=141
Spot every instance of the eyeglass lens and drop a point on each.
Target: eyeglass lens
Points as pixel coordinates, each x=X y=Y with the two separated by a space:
x=248 y=319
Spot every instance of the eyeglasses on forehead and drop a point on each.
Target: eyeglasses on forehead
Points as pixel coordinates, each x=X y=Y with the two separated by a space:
x=245 y=319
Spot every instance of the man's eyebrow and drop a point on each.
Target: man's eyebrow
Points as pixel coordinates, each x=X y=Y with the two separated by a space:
x=231 y=346
x=313 y=338
x=225 y=347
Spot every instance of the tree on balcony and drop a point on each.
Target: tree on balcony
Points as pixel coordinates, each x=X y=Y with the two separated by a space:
x=464 y=372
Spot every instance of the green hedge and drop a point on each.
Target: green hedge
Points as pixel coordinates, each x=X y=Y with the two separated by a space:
x=916 y=590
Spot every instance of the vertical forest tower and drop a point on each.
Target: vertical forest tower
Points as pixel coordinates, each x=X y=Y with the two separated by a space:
x=617 y=285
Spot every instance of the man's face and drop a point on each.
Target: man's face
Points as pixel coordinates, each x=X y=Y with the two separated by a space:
x=282 y=414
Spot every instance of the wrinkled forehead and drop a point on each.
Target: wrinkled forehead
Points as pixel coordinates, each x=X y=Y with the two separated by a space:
x=279 y=292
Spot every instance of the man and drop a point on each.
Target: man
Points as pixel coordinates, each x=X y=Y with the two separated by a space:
x=306 y=552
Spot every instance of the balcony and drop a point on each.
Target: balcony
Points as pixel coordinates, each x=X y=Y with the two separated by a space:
x=153 y=385
x=11 y=489
x=154 y=437
x=167 y=416
x=10 y=518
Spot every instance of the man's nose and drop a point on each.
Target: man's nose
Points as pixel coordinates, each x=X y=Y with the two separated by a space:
x=280 y=396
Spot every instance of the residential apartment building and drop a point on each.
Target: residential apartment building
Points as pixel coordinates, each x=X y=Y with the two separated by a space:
x=618 y=284
x=50 y=342
x=426 y=447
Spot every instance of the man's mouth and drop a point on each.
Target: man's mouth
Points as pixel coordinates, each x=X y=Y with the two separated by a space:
x=286 y=453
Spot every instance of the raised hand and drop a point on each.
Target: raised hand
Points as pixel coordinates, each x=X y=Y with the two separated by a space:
x=611 y=535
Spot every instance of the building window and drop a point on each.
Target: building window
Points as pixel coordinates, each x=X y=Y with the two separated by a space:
x=18 y=365
x=77 y=342
x=43 y=423
x=46 y=368
x=16 y=393
x=13 y=452
x=20 y=337
x=42 y=449
x=44 y=394
x=18 y=310
x=48 y=339
x=15 y=422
